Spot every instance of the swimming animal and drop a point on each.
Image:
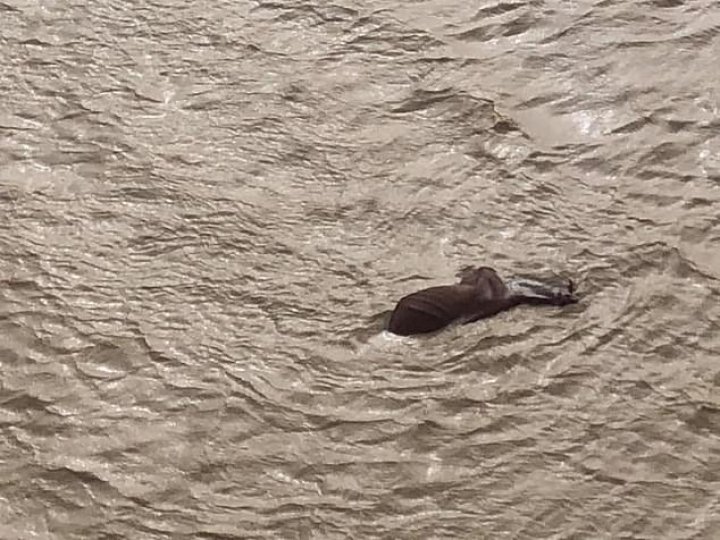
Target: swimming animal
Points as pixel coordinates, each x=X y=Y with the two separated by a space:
x=480 y=294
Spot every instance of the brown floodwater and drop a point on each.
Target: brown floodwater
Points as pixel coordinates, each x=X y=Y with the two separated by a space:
x=208 y=208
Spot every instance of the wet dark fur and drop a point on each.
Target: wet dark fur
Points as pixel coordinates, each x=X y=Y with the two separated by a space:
x=481 y=293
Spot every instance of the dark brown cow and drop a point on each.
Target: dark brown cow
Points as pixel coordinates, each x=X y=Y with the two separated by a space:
x=481 y=293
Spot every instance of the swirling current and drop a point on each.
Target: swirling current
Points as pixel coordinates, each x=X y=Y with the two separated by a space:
x=208 y=208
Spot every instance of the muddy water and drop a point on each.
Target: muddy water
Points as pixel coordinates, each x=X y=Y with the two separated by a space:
x=206 y=209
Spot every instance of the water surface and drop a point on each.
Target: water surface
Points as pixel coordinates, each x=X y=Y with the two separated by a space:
x=206 y=208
